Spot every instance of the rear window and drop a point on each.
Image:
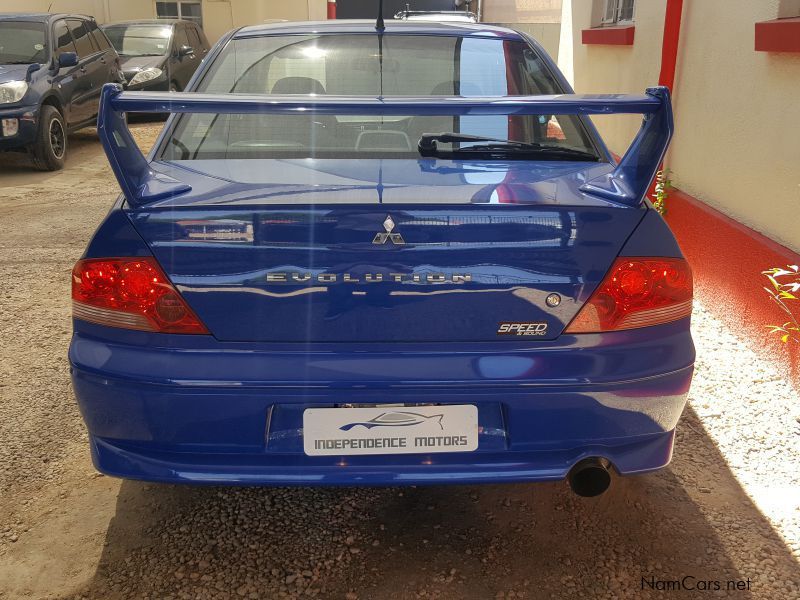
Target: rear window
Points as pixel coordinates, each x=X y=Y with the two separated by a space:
x=364 y=65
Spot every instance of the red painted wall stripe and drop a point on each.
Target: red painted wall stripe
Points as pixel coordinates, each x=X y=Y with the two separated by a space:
x=669 y=55
x=727 y=259
x=669 y=45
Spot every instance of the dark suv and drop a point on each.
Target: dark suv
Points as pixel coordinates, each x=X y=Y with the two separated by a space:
x=158 y=54
x=52 y=68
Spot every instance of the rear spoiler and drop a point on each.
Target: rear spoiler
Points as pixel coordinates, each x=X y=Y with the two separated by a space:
x=626 y=184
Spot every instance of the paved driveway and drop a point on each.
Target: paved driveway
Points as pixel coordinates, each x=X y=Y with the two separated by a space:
x=726 y=510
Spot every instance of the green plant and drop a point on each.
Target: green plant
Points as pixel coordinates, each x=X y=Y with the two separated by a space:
x=663 y=186
x=785 y=289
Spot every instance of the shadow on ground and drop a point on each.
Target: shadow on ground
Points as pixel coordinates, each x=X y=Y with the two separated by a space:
x=692 y=519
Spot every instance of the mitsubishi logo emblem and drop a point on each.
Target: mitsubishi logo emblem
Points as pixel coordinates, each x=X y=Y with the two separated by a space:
x=384 y=236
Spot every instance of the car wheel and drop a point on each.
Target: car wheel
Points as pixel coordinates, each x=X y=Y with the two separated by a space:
x=50 y=148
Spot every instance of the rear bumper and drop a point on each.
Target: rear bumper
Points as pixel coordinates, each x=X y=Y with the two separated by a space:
x=167 y=414
x=629 y=457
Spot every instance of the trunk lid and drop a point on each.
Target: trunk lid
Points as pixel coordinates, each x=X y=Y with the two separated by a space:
x=384 y=251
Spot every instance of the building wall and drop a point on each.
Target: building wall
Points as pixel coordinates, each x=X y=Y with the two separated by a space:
x=84 y=7
x=368 y=9
x=123 y=11
x=735 y=155
x=521 y=11
x=219 y=16
x=547 y=34
x=541 y=19
x=737 y=122
x=613 y=69
x=737 y=145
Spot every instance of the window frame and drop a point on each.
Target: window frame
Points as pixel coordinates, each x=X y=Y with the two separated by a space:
x=180 y=16
x=98 y=36
x=75 y=38
x=93 y=40
x=178 y=30
x=192 y=32
x=57 y=50
x=618 y=5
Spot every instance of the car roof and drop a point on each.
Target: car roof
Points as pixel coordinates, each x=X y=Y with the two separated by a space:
x=438 y=17
x=149 y=22
x=460 y=16
x=40 y=17
x=368 y=26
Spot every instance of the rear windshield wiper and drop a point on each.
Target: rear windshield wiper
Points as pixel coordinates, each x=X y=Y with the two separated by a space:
x=428 y=146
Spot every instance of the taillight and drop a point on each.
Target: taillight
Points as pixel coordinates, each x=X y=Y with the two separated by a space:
x=637 y=292
x=132 y=293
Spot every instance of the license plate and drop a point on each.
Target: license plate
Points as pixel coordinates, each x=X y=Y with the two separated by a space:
x=390 y=430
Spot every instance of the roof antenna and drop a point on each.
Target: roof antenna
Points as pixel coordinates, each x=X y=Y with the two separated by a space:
x=379 y=23
x=380 y=28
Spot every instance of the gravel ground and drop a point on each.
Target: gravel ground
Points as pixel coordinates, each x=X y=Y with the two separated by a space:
x=727 y=508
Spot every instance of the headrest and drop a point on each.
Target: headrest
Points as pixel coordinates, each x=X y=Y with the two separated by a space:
x=447 y=88
x=298 y=85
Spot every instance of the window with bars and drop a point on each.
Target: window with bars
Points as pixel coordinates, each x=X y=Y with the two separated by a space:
x=190 y=11
x=618 y=11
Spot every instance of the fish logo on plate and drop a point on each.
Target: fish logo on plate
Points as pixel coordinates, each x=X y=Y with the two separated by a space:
x=395 y=419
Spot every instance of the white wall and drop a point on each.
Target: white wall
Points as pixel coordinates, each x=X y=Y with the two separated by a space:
x=613 y=69
x=85 y=7
x=737 y=142
x=737 y=114
x=521 y=11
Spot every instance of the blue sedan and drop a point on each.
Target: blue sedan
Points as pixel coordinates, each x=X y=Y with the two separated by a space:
x=381 y=255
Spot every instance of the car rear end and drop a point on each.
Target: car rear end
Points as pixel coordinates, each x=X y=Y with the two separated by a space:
x=288 y=293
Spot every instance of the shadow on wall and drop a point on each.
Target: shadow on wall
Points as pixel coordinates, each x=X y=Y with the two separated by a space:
x=691 y=519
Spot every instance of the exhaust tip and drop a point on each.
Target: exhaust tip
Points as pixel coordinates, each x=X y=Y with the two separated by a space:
x=590 y=477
